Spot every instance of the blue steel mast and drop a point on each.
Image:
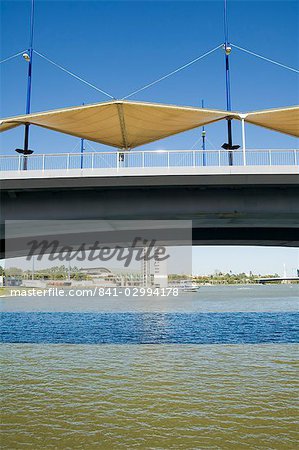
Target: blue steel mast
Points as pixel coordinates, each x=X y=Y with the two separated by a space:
x=81 y=150
x=227 y=48
x=28 y=57
x=203 y=135
x=82 y=153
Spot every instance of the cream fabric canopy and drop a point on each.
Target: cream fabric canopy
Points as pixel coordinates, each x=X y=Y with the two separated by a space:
x=285 y=120
x=126 y=125
x=120 y=124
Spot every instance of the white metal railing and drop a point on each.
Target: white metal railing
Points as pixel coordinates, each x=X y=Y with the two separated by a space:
x=149 y=159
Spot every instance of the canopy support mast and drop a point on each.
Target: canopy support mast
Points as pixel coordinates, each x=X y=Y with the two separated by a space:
x=81 y=150
x=227 y=48
x=203 y=135
x=28 y=57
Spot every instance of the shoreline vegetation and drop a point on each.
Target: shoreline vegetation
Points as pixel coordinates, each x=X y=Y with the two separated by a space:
x=65 y=278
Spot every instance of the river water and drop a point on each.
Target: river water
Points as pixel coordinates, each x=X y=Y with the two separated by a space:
x=209 y=370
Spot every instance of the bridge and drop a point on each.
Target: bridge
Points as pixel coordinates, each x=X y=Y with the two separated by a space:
x=276 y=280
x=252 y=204
x=232 y=196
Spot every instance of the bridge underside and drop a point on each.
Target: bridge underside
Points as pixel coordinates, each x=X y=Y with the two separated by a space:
x=225 y=210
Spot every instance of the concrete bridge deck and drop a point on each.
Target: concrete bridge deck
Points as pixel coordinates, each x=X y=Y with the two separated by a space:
x=233 y=207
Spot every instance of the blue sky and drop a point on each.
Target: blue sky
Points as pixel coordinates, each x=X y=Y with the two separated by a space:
x=120 y=46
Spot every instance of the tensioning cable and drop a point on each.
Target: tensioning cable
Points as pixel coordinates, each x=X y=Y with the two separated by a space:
x=173 y=72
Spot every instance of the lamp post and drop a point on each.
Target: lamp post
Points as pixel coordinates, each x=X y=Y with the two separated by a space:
x=227 y=48
x=28 y=57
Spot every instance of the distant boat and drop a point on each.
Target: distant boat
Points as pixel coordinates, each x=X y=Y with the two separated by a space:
x=186 y=286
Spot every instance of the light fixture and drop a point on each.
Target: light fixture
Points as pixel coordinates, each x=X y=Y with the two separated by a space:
x=26 y=57
x=227 y=48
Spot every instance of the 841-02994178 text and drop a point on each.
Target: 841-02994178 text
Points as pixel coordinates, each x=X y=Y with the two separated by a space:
x=96 y=292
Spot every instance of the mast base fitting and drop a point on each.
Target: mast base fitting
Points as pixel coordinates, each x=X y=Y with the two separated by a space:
x=24 y=152
x=230 y=147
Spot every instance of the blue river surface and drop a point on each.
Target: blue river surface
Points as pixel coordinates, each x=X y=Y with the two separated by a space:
x=149 y=328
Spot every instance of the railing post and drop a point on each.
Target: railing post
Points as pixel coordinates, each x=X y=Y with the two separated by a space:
x=117 y=160
x=143 y=159
x=92 y=161
x=295 y=157
x=193 y=157
x=270 y=158
x=168 y=159
x=19 y=163
x=44 y=162
x=68 y=162
x=219 y=158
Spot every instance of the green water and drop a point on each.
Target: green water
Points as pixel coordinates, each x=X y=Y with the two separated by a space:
x=153 y=396
x=149 y=396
